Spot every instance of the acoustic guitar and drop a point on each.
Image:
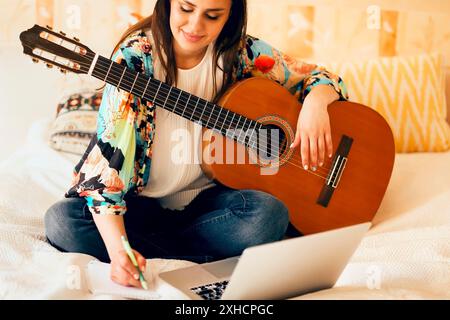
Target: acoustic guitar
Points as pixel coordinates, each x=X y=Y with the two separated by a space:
x=247 y=134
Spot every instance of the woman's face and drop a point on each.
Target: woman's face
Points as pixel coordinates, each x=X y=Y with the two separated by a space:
x=197 y=23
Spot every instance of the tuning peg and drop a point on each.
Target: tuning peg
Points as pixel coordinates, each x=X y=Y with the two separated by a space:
x=35 y=60
x=63 y=71
x=49 y=28
x=50 y=66
x=62 y=33
x=76 y=39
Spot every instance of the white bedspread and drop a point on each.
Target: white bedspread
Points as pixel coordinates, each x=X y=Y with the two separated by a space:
x=31 y=180
x=405 y=255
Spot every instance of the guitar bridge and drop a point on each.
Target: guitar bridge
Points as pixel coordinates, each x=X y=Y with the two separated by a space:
x=335 y=174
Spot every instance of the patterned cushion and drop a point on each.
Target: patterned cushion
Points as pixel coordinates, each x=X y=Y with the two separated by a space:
x=76 y=122
x=409 y=92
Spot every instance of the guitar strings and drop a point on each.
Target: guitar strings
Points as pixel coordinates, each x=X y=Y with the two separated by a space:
x=188 y=105
x=115 y=77
x=265 y=148
x=316 y=173
x=155 y=87
x=150 y=85
x=297 y=164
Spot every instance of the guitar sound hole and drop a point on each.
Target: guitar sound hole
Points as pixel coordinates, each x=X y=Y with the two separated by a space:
x=272 y=142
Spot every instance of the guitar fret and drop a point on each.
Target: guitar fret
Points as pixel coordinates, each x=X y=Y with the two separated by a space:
x=245 y=131
x=93 y=64
x=237 y=124
x=224 y=121
x=109 y=70
x=186 y=106
x=251 y=136
x=203 y=111
x=164 y=104
x=154 y=98
x=195 y=108
x=228 y=131
x=240 y=128
x=124 y=70
x=132 y=87
x=217 y=119
x=207 y=122
x=232 y=119
x=177 y=101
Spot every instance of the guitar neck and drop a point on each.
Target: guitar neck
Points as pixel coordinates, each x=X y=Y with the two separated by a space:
x=70 y=55
x=170 y=98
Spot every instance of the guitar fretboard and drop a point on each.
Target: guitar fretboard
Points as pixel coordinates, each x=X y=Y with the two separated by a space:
x=190 y=107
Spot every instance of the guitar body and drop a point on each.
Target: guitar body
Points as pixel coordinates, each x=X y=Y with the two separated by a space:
x=364 y=180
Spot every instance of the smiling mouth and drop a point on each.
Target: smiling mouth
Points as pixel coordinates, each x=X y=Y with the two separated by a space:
x=190 y=37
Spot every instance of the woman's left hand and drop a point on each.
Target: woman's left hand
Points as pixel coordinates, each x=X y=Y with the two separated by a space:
x=313 y=134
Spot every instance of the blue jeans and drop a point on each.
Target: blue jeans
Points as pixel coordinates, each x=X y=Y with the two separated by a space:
x=219 y=223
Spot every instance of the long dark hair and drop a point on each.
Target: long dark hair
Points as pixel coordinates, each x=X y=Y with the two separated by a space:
x=226 y=46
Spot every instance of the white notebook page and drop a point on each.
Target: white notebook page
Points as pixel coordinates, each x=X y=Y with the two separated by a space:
x=100 y=283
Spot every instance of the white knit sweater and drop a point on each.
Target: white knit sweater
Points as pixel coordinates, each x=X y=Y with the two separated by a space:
x=176 y=177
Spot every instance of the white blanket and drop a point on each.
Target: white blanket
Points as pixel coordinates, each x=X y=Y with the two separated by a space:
x=31 y=180
x=405 y=255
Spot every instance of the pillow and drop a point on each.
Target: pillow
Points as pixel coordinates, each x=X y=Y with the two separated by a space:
x=76 y=122
x=409 y=92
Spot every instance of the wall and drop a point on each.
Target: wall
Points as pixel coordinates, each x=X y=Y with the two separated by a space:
x=315 y=30
x=305 y=28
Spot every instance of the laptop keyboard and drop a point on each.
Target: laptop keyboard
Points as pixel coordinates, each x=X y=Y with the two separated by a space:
x=212 y=291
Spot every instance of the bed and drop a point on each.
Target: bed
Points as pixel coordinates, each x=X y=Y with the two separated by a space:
x=405 y=255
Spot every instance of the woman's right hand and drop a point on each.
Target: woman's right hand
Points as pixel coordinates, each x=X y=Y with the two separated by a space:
x=124 y=272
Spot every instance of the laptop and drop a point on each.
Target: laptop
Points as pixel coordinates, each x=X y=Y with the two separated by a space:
x=278 y=270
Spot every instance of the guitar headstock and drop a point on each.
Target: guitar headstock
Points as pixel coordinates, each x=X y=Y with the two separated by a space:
x=56 y=49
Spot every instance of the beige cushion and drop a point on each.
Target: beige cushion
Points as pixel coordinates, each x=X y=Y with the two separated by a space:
x=409 y=92
x=76 y=122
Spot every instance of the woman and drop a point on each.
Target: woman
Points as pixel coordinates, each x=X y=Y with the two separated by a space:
x=174 y=210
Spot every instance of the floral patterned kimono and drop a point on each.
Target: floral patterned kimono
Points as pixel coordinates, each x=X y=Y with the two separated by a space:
x=118 y=159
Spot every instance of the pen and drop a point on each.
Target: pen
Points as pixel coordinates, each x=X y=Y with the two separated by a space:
x=127 y=248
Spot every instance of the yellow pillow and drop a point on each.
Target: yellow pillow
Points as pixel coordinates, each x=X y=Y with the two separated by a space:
x=409 y=92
